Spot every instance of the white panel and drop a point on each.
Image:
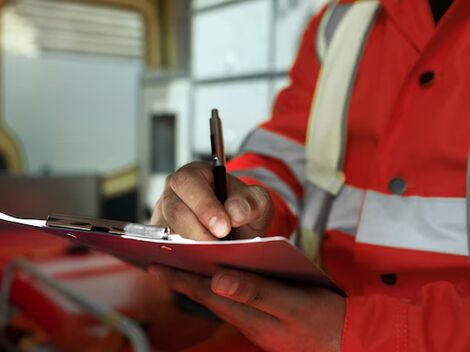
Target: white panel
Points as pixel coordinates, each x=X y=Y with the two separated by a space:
x=242 y=106
x=291 y=20
x=231 y=40
x=200 y=4
x=175 y=99
x=279 y=84
x=73 y=113
x=172 y=96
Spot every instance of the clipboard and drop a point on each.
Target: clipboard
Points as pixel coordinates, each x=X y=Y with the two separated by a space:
x=143 y=245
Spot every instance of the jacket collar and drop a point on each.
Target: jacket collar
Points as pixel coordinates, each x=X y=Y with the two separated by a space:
x=413 y=18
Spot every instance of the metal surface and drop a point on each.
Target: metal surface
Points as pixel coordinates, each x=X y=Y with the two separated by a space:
x=107 y=226
x=107 y=316
x=39 y=196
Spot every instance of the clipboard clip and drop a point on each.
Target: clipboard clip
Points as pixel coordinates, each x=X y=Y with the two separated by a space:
x=120 y=228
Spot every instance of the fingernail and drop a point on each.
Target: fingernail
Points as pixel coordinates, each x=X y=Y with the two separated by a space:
x=218 y=226
x=226 y=285
x=238 y=210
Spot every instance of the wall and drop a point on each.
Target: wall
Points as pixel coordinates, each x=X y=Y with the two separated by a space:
x=73 y=113
x=241 y=53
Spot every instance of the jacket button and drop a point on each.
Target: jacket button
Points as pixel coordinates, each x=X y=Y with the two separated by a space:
x=389 y=279
x=397 y=185
x=426 y=78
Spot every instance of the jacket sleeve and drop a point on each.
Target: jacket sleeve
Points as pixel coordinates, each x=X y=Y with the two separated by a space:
x=273 y=154
x=436 y=320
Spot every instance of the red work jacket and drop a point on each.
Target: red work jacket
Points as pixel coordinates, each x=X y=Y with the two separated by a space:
x=405 y=264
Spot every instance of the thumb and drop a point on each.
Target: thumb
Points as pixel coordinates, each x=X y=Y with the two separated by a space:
x=250 y=206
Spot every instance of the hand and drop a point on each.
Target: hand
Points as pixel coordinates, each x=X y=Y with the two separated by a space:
x=274 y=316
x=190 y=208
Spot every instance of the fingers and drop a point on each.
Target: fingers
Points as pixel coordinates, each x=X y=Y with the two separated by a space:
x=250 y=205
x=193 y=185
x=263 y=294
x=248 y=320
x=189 y=206
x=181 y=219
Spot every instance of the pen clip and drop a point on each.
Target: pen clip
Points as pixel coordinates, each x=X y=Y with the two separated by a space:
x=217 y=139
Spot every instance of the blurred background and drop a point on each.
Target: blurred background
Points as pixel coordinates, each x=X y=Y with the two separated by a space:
x=101 y=99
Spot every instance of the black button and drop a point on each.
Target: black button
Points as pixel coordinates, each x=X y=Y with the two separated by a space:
x=389 y=279
x=426 y=78
x=397 y=185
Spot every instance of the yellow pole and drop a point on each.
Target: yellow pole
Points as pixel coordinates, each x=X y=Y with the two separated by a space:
x=9 y=149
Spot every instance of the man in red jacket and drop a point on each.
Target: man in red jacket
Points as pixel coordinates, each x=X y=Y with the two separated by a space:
x=391 y=190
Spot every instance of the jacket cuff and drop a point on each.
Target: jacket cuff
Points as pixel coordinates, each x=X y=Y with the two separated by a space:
x=375 y=323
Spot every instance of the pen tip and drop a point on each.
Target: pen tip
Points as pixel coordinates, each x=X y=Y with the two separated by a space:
x=214 y=113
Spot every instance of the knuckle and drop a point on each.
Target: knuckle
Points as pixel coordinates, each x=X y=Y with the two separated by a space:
x=170 y=205
x=205 y=171
x=263 y=194
x=178 y=208
x=157 y=216
x=204 y=211
x=179 y=179
x=167 y=179
x=259 y=198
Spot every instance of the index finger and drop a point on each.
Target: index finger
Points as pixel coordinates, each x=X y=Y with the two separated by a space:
x=193 y=185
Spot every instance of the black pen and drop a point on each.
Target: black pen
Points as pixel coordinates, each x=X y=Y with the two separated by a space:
x=218 y=159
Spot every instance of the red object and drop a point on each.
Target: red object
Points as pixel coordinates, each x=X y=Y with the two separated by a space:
x=408 y=117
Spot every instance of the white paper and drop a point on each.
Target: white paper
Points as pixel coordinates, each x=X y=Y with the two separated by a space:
x=29 y=222
x=174 y=238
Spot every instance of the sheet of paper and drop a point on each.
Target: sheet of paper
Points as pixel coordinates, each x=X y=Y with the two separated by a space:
x=28 y=222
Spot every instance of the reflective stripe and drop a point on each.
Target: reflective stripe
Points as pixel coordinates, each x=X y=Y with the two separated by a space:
x=314 y=197
x=340 y=213
x=468 y=203
x=345 y=211
x=337 y=14
x=317 y=204
x=328 y=24
x=274 y=145
x=327 y=123
x=274 y=182
x=321 y=45
x=431 y=224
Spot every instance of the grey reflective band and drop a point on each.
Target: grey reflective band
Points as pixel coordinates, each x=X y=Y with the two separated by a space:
x=271 y=180
x=421 y=223
x=468 y=203
x=346 y=209
x=267 y=143
x=320 y=39
x=312 y=209
x=335 y=18
x=328 y=24
x=337 y=13
x=343 y=213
